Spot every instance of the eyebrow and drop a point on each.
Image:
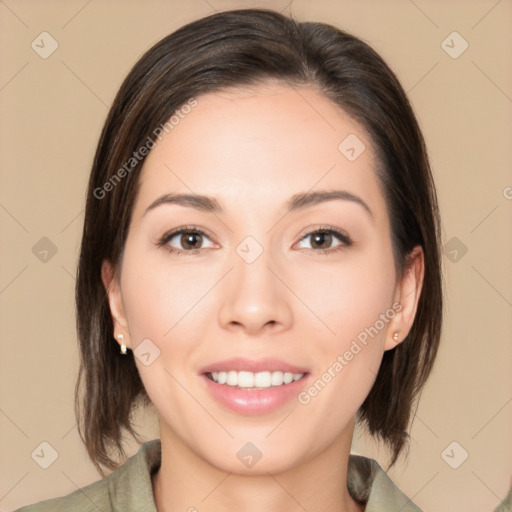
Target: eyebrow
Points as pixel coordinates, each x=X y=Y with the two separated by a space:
x=296 y=202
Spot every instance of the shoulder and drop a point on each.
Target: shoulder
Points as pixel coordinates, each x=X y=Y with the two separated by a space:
x=128 y=488
x=91 y=498
x=506 y=503
x=369 y=483
x=87 y=499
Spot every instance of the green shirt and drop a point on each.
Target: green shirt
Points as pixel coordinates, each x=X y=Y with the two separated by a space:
x=129 y=489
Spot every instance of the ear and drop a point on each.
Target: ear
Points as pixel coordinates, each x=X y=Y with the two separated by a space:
x=407 y=293
x=113 y=289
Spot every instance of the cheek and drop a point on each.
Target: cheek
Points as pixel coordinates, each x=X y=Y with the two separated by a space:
x=160 y=295
x=161 y=303
x=348 y=296
x=356 y=304
x=353 y=299
x=170 y=303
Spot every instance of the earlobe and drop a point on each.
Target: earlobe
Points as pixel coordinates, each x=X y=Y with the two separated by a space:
x=113 y=290
x=408 y=295
x=123 y=346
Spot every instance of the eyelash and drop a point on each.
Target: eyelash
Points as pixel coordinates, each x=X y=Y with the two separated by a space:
x=345 y=240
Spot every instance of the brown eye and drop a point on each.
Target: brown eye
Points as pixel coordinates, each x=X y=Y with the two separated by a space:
x=326 y=240
x=321 y=240
x=185 y=240
x=191 y=240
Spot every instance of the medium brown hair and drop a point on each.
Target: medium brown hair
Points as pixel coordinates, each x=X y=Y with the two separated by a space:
x=235 y=49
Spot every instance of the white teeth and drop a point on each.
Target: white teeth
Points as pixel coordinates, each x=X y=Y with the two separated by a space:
x=262 y=379
x=222 y=377
x=277 y=378
x=246 y=379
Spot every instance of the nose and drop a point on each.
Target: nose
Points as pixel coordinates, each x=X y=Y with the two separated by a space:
x=255 y=299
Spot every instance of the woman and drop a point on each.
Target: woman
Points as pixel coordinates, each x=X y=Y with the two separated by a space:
x=261 y=262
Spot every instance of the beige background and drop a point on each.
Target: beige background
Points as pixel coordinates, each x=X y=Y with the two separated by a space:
x=52 y=111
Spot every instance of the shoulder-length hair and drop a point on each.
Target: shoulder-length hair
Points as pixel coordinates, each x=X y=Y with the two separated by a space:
x=235 y=49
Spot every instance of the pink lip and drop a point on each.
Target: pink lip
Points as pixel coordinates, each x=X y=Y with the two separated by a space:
x=239 y=364
x=254 y=401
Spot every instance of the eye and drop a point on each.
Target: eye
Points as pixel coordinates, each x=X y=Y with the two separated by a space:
x=185 y=240
x=322 y=239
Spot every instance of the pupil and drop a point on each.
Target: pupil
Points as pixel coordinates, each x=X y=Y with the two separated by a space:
x=321 y=238
x=189 y=240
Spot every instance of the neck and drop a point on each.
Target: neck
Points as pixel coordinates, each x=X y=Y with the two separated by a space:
x=193 y=484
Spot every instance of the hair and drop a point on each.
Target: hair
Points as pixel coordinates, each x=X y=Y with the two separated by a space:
x=236 y=49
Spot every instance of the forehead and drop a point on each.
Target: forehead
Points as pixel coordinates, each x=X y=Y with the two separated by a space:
x=260 y=145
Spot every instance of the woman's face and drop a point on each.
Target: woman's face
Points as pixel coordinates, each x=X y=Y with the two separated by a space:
x=260 y=283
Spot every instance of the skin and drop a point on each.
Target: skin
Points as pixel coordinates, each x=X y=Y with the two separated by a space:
x=293 y=303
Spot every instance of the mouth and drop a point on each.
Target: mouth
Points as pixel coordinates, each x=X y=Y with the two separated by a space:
x=253 y=387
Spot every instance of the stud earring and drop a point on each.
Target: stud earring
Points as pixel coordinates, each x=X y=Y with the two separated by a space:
x=124 y=350
x=395 y=336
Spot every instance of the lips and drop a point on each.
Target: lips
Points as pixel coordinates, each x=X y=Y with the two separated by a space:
x=239 y=364
x=254 y=401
